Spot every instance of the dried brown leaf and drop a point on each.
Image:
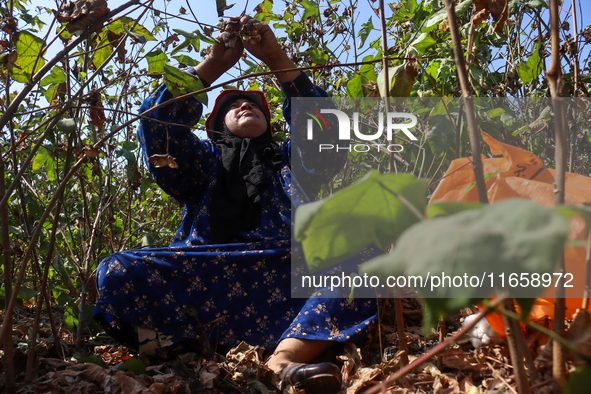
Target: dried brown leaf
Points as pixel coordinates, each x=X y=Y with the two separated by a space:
x=445 y=384
x=457 y=359
x=81 y=14
x=498 y=9
x=351 y=361
x=90 y=151
x=244 y=356
x=162 y=161
x=97 y=112
x=365 y=378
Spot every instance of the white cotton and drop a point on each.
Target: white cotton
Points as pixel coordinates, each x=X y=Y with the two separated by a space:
x=482 y=333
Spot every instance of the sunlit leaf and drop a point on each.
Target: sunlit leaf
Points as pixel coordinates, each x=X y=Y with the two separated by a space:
x=29 y=49
x=532 y=68
x=317 y=56
x=401 y=79
x=310 y=10
x=441 y=15
x=44 y=159
x=120 y=25
x=376 y=209
x=366 y=28
x=156 y=61
x=56 y=76
x=181 y=82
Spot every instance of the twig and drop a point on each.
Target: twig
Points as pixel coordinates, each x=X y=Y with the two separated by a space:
x=471 y=118
x=556 y=83
x=8 y=351
x=496 y=374
x=515 y=349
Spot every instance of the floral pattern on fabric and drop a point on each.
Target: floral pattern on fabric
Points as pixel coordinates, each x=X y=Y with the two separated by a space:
x=233 y=292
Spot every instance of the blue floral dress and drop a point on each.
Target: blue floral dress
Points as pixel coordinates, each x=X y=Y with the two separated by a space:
x=233 y=292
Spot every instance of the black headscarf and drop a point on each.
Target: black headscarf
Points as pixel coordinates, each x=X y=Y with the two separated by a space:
x=236 y=204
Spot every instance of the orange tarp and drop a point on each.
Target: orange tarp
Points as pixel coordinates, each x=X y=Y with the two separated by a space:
x=520 y=173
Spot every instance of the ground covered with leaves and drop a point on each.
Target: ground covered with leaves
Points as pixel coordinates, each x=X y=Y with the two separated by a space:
x=109 y=368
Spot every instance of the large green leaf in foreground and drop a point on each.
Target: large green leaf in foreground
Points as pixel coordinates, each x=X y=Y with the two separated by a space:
x=376 y=209
x=511 y=236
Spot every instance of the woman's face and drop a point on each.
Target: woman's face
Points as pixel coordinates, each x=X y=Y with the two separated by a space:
x=245 y=119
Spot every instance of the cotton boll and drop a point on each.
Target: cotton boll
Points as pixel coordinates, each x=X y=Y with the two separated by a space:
x=229 y=39
x=482 y=333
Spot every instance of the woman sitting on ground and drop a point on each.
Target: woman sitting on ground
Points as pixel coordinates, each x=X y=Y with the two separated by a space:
x=226 y=274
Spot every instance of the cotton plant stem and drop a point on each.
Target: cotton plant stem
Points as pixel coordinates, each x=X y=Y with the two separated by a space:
x=8 y=350
x=556 y=83
x=576 y=71
x=469 y=103
x=515 y=349
x=587 y=273
x=42 y=296
x=397 y=301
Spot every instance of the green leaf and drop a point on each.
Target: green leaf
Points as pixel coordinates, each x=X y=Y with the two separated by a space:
x=355 y=86
x=538 y=4
x=44 y=158
x=434 y=20
x=28 y=48
x=123 y=24
x=579 y=381
x=376 y=209
x=156 y=61
x=102 y=54
x=26 y=294
x=204 y=38
x=401 y=80
x=442 y=136
x=366 y=28
x=317 y=56
x=71 y=318
x=511 y=236
x=186 y=42
x=221 y=7
x=56 y=77
x=134 y=365
x=447 y=208
x=494 y=113
x=310 y=10
x=137 y=36
x=184 y=59
x=181 y=82
x=422 y=42
x=93 y=359
x=570 y=211
x=532 y=68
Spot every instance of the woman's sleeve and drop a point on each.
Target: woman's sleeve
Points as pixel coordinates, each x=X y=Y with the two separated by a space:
x=167 y=130
x=310 y=166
